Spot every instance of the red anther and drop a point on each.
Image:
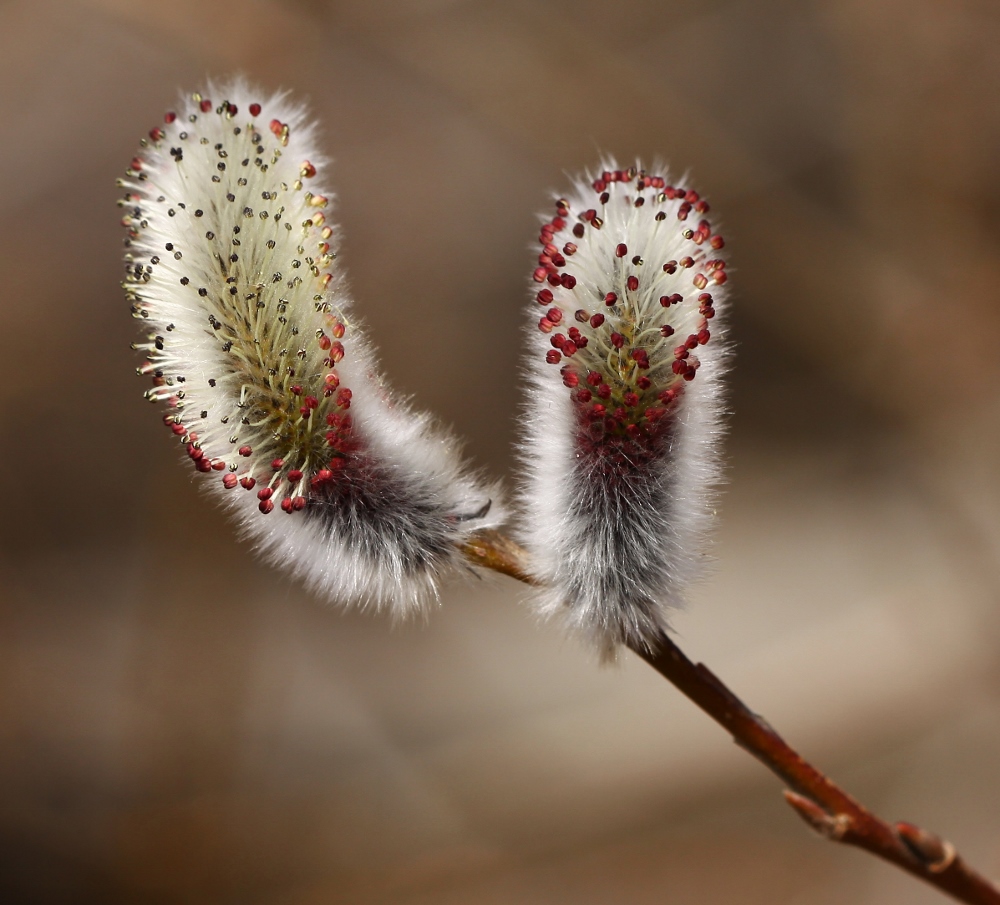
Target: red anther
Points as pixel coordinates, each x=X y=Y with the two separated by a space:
x=203 y=464
x=553 y=357
x=218 y=465
x=691 y=196
x=689 y=374
x=619 y=414
x=610 y=299
x=718 y=242
x=570 y=378
x=277 y=464
x=156 y=133
x=558 y=260
x=621 y=250
x=232 y=108
x=630 y=399
x=654 y=414
x=255 y=109
x=604 y=391
x=544 y=260
x=666 y=330
x=265 y=493
x=596 y=320
x=605 y=197
x=686 y=262
x=136 y=163
x=700 y=281
x=206 y=105
x=322 y=476
x=336 y=352
x=719 y=276
x=247 y=482
x=681 y=351
x=589 y=214
x=276 y=126
x=703 y=337
x=678 y=367
x=633 y=283
x=598 y=185
x=670 y=267
x=569 y=249
x=295 y=390
x=551 y=249
x=568 y=280
x=338 y=331
x=294 y=476
x=683 y=211
x=265 y=506
x=344 y=397
x=555 y=315
x=691 y=341
x=644 y=383
x=545 y=325
x=299 y=503
x=307 y=170
x=575 y=335
x=311 y=402
x=569 y=348
x=229 y=481
x=245 y=451
x=553 y=278
x=583 y=396
x=332 y=381
x=286 y=505
x=324 y=342
x=544 y=296
x=633 y=431
x=705 y=298
x=558 y=223
x=708 y=312
x=178 y=429
x=169 y=117
x=578 y=230
x=617 y=340
x=598 y=410
x=701 y=207
x=558 y=341
x=593 y=378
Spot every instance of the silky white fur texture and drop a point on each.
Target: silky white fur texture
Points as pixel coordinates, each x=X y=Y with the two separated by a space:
x=623 y=427
x=268 y=380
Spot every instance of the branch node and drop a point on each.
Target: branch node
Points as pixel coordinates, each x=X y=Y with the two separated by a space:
x=935 y=853
x=830 y=826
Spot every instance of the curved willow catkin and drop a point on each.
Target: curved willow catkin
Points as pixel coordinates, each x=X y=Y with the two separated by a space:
x=268 y=381
x=623 y=425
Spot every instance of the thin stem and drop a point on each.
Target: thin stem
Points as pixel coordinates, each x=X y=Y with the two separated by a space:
x=826 y=807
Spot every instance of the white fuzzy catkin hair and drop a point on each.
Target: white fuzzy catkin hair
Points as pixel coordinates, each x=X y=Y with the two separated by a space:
x=269 y=384
x=623 y=415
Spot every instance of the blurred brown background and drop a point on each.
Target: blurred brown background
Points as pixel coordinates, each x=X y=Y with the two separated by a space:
x=180 y=725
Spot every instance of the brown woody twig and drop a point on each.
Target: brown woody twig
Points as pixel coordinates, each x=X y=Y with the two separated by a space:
x=816 y=799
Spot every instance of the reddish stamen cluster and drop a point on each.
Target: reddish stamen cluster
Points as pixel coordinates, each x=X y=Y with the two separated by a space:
x=633 y=376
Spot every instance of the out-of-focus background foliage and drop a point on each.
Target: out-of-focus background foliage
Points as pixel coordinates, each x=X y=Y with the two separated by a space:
x=180 y=725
